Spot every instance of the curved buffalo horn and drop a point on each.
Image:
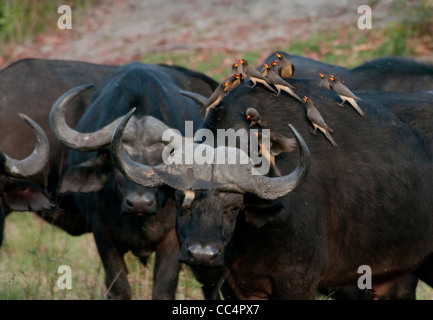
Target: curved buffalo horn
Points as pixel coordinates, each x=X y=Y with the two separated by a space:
x=200 y=99
x=264 y=187
x=134 y=171
x=33 y=163
x=70 y=137
x=148 y=176
x=226 y=177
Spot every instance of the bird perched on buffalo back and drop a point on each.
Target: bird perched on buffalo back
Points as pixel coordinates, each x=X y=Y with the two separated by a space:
x=317 y=121
x=233 y=81
x=254 y=75
x=286 y=69
x=280 y=83
x=345 y=94
x=324 y=83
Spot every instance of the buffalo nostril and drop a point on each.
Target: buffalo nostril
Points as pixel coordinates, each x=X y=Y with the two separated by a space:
x=129 y=204
x=141 y=203
x=202 y=254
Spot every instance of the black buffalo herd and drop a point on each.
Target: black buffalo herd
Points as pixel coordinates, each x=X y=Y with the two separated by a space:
x=272 y=210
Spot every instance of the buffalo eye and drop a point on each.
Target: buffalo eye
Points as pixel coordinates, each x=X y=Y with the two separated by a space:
x=22 y=188
x=231 y=213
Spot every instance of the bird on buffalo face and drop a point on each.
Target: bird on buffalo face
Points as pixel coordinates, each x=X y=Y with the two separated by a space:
x=254 y=75
x=317 y=121
x=345 y=94
x=324 y=83
x=280 y=83
x=254 y=117
x=278 y=143
x=287 y=69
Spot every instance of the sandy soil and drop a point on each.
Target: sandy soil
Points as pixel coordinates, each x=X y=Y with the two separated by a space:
x=124 y=30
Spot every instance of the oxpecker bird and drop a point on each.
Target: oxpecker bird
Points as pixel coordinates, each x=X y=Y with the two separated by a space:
x=345 y=94
x=254 y=75
x=317 y=121
x=324 y=83
x=280 y=83
x=286 y=69
x=254 y=117
x=233 y=81
x=278 y=143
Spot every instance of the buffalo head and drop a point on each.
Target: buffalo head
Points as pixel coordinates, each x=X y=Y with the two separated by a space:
x=98 y=172
x=209 y=194
x=19 y=193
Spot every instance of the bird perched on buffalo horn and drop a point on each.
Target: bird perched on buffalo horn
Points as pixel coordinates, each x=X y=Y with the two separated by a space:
x=254 y=117
x=254 y=74
x=317 y=120
x=278 y=144
x=286 y=69
x=324 y=83
x=280 y=83
x=345 y=94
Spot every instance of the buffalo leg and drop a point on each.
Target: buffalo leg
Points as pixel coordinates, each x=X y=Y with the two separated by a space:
x=2 y=225
x=166 y=269
x=116 y=273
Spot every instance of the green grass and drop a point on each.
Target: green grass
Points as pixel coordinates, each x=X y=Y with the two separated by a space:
x=33 y=250
x=20 y=20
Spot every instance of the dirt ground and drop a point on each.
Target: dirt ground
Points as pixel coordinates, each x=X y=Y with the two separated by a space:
x=117 y=32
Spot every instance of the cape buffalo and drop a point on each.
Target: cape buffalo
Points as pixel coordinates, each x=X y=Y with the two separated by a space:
x=17 y=191
x=124 y=216
x=365 y=203
x=31 y=86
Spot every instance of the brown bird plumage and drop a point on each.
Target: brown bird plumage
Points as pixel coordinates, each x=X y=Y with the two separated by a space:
x=254 y=117
x=317 y=121
x=286 y=69
x=345 y=94
x=278 y=143
x=324 y=83
x=254 y=74
x=280 y=83
x=233 y=81
x=216 y=96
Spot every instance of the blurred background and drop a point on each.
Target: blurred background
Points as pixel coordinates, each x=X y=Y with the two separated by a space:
x=207 y=36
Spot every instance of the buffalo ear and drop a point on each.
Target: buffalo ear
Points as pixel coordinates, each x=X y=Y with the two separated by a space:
x=259 y=212
x=23 y=195
x=89 y=176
